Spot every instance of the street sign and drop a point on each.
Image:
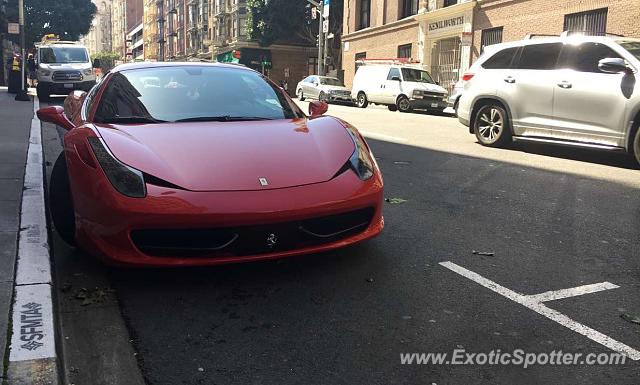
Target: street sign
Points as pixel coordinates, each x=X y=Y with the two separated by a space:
x=325 y=25
x=13 y=28
x=466 y=38
x=325 y=8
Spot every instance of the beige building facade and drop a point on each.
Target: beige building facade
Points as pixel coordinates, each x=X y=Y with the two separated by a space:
x=507 y=20
x=98 y=39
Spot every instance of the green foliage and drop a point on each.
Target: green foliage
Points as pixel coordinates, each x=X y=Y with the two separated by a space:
x=68 y=19
x=107 y=60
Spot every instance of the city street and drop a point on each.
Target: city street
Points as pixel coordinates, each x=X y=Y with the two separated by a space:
x=459 y=219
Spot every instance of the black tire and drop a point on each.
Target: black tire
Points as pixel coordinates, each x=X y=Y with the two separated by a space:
x=43 y=93
x=362 y=100
x=61 y=203
x=491 y=126
x=635 y=148
x=455 y=107
x=392 y=107
x=403 y=104
x=300 y=95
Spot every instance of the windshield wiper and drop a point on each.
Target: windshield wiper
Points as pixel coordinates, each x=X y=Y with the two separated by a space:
x=133 y=119
x=222 y=118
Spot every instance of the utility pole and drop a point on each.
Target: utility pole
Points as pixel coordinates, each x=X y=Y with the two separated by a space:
x=22 y=94
x=320 y=10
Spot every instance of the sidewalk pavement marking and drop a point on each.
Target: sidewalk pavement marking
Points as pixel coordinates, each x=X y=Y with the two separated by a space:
x=540 y=308
x=32 y=357
x=572 y=292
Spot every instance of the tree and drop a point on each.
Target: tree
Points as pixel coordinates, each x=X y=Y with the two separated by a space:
x=107 y=60
x=68 y=19
x=282 y=21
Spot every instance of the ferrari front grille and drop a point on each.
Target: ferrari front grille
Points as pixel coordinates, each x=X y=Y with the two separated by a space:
x=251 y=240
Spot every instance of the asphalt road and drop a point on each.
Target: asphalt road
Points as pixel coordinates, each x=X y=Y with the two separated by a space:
x=554 y=218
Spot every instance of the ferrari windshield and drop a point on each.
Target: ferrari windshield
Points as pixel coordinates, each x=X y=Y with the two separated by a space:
x=62 y=55
x=191 y=93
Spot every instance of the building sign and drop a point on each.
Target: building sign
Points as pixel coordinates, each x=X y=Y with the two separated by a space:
x=446 y=23
x=13 y=28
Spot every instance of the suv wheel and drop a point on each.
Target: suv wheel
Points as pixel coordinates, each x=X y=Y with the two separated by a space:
x=403 y=104
x=491 y=126
x=42 y=92
x=300 y=95
x=636 y=145
x=362 y=101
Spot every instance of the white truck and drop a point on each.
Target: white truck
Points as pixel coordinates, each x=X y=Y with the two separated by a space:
x=63 y=67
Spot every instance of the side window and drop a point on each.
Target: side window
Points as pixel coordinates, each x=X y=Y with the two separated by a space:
x=539 y=56
x=393 y=72
x=585 y=57
x=89 y=101
x=313 y=79
x=501 y=59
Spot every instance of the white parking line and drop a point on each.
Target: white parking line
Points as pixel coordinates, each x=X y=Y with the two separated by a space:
x=572 y=292
x=540 y=308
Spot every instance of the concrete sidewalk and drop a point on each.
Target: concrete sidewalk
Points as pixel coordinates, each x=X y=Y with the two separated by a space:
x=15 y=125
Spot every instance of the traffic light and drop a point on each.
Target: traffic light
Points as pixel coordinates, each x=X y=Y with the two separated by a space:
x=308 y=14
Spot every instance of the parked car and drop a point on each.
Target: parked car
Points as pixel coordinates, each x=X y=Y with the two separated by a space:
x=571 y=90
x=323 y=88
x=399 y=87
x=174 y=164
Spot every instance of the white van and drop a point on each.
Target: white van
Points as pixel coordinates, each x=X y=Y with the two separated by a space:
x=400 y=87
x=62 y=68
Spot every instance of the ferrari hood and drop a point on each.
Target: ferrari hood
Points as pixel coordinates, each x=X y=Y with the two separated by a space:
x=233 y=156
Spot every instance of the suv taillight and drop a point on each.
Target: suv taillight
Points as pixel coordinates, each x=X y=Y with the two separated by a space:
x=467 y=76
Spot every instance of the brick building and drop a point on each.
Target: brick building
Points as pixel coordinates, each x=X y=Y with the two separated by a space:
x=496 y=21
x=446 y=36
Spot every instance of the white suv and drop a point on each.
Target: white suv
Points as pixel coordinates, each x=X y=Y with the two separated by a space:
x=575 y=90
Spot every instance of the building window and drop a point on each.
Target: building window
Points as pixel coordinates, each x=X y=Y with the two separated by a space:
x=312 y=65
x=360 y=56
x=448 y=3
x=490 y=36
x=404 y=51
x=409 y=8
x=365 y=13
x=588 y=23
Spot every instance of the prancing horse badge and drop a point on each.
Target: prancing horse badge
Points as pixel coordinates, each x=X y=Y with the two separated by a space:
x=263 y=181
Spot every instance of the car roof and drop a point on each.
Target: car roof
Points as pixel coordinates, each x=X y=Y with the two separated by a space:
x=144 y=65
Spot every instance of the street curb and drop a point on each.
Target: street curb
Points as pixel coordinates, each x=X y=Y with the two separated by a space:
x=32 y=357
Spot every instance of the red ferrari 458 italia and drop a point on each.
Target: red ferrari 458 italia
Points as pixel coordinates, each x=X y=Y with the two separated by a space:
x=171 y=164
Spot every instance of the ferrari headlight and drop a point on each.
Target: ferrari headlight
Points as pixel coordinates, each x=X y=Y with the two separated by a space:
x=360 y=161
x=127 y=180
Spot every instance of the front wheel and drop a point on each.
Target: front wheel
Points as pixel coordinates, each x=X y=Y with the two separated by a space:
x=403 y=104
x=300 y=95
x=60 y=202
x=491 y=126
x=362 y=101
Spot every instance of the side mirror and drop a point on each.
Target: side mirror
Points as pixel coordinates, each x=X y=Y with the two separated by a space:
x=396 y=78
x=96 y=63
x=614 y=66
x=55 y=115
x=317 y=108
